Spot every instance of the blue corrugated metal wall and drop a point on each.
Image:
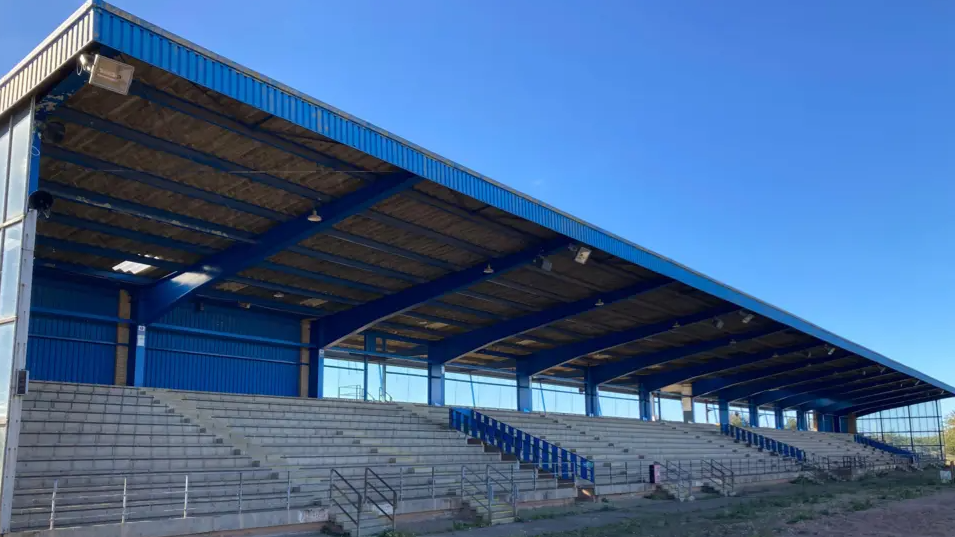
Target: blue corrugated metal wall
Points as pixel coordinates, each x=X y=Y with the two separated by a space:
x=196 y=350
x=71 y=349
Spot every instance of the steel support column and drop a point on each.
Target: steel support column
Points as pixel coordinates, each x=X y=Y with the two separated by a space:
x=646 y=404
x=753 y=415
x=778 y=414
x=843 y=423
x=591 y=395
x=316 y=370
x=136 y=375
x=724 y=408
x=525 y=395
x=801 y=420
x=435 y=384
x=687 y=402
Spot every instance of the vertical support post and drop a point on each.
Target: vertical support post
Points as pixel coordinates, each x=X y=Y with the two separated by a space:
x=591 y=395
x=316 y=362
x=778 y=413
x=842 y=424
x=137 y=374
x=646 y=404
x=753 y=415
x=851 y=423
x=724 y=410
x=436 y=384
x=817 y=421
x=525 y=395
x=687 y=401
x=370 y=346
x=123 y=311
x=185 y=499
x=303 y=358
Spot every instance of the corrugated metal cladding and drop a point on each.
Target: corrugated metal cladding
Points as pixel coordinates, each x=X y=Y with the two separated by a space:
x=67 y=41
x=120 y=31
x=215 y=362
x=70 y=349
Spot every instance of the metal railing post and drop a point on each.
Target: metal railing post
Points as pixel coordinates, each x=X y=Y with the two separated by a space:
x=490 y=502
x=462 y=481
x=240 y=493
x=288 y=491
x=56 y=485
x=401 y=484
x=535 y=478
x=185 y=498
x=123 y=520
x=432 y=482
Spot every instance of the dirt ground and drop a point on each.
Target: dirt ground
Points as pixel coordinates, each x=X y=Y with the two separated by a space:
x=929 y=516
x=893 y=505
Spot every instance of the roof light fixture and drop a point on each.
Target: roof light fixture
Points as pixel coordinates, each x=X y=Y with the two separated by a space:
x=677 y=324
x=831 y=351
x=599 y=302
x=245 y=305
x=747 y=316
x=718 y=324
x=108 y=73
x=488 y=269
x=278 y=294
x=132 y=267
x=583 y=254
x=315 y=217
x=543 y=263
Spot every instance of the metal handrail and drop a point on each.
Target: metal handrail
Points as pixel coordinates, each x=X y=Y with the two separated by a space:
x=332 y=488
x=393 y=517
x=488 y=491
x=683 y=481
x=526 y=447
x=719 y=475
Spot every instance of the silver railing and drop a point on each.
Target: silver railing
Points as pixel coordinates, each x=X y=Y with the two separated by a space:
x=340 y=496
x=678 y=479
x=73 y=501
x=719 y=476
x=374 y=495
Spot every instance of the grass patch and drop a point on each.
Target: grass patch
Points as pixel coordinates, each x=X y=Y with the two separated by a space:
x=800 y=516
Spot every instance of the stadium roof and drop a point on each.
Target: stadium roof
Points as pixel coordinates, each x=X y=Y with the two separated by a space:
x=216 y=176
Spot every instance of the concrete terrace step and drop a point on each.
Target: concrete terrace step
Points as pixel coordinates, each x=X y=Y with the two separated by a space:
x=67 y=465
x=72 y=439
x=98 y=451
x=93 y=426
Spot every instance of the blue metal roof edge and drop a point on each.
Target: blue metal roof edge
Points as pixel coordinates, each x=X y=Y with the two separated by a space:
x=139 y=39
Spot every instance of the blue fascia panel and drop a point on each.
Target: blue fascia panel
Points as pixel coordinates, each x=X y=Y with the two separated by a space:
x=334 y=328
x=80 y=118
x=655 y=382
x=611 y=371
x=454 y=347
x=543 y=360
x=162 y=296
x=808 y=374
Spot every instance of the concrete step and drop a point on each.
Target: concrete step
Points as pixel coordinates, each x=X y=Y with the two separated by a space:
x=69 y=439
x=74 y=465
x=93 y=426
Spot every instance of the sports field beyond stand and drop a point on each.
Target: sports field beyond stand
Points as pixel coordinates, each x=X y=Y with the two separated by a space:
x=239 y=307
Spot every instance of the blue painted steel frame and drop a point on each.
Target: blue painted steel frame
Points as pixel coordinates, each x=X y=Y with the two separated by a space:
x=456 y=346
x=334 y=328
x=541 y=361
x=162 y=296
x=138 y=39
x=661 y=380
x=613 y=370
x=751 y=389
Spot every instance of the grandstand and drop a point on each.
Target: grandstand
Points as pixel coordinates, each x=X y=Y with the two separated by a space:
x=226 y=305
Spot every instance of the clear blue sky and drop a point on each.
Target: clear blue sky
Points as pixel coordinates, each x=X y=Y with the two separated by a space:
x=804 y=153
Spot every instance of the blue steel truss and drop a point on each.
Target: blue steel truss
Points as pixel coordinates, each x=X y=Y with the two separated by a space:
x=454 y=347
x=162 y=296
x=607 y=372
x=541 y=361
x=811 y=373
x=661 y=380
x=332 y=329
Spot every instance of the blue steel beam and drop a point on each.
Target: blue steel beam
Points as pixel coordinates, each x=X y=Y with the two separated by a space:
x=864 y=411
x=812 y=398
x=92 y=163
x=82 y=248
x=887 y=399
x=162 y=296
x=543 y=360
x=661 y=380
x=334 y=328
x=456 y=346
x=799 y=393
x=809 y=373
x=808 y=396
x=102 y=125
x=607 y=372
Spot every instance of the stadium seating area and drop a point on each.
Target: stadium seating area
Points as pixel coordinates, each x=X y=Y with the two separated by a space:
x=833 y=446
x=206 y=454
